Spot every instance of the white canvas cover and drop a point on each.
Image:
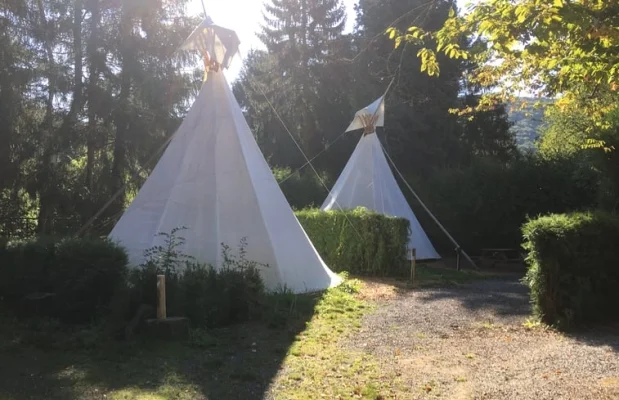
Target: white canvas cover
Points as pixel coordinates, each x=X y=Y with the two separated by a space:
x=222 y=44
x=367 y=181
x=376 y=110
x=214 y=180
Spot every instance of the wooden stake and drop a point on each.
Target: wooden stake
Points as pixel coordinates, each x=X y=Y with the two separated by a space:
x=161 y=311
x=413 y=264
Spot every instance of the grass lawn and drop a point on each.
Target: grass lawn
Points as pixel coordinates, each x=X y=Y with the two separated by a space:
x=298 y=358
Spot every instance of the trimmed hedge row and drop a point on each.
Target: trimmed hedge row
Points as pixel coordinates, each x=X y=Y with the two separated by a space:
x=71 y=279
x=82 y=280
x=85 y=280
x=573 y=267
x=358 y=241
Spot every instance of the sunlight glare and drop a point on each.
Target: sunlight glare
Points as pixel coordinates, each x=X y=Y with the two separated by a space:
x=245 y=17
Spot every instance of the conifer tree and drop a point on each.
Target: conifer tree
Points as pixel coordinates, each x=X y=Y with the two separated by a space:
x=302 y=38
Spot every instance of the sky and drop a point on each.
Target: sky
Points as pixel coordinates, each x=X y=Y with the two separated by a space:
x=245 y=17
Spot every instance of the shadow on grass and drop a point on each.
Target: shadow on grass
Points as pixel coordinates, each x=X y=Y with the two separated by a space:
x=238 y=362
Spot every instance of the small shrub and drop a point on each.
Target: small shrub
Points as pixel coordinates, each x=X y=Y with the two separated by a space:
x=209 y=297
x=25 y=267
x=85 y=276
x=80 y=275
x=358 y=241
x=213 y=298
x=573 y=270
x=167 y=258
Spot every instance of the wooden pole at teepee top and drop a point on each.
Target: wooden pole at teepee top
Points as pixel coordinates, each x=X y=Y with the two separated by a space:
x=161 y=311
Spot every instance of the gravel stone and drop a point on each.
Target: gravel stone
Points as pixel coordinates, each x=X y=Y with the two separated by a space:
x=470 y=342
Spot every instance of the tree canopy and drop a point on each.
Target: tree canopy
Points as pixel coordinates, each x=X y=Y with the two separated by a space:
x=89 y=89
x=566 y=48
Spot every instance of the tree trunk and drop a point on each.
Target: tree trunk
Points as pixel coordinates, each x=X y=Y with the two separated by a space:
x=78 y=93
x=44 y=171
x=93 y=67
x=47 y=186
x=120 y=143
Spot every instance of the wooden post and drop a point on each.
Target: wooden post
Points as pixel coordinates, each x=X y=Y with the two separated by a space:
x=413 y=264
x=161 y=311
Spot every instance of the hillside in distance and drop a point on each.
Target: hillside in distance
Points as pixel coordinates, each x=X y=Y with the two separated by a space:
x=527 y=118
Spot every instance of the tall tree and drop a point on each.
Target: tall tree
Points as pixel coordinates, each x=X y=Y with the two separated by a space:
x=89 y=89
x=420 y=132
x=487 y=133
x=18 y=115
x=303 y=38
x=566 y=131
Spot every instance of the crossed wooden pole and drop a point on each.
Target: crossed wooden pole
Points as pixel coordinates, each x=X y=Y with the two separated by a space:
x=369 y=123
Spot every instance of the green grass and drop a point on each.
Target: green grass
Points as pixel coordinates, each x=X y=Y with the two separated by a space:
x=317 y=362
x=297 y=350
x=295 y=356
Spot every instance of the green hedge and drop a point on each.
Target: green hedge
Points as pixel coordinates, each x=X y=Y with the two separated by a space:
x=574 y=267
x=78 y=276
x=358 y=241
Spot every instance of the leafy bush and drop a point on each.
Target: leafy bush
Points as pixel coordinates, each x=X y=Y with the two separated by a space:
x=80 y=275
x=25 y=267
x=85 y=275
x=209 y=297
x=573 y=273
x=358 y=241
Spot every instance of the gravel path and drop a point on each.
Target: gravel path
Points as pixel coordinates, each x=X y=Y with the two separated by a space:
x=470 y=342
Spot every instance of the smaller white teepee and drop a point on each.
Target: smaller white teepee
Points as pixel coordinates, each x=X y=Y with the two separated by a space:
x=367 y=181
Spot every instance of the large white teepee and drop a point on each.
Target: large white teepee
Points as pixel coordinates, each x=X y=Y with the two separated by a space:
x=213 y=179
x=367 y=181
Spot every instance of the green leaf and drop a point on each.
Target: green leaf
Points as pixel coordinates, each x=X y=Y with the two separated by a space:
x=398 y=41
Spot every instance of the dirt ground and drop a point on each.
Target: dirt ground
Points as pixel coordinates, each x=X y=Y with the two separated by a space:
x=476 y=341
